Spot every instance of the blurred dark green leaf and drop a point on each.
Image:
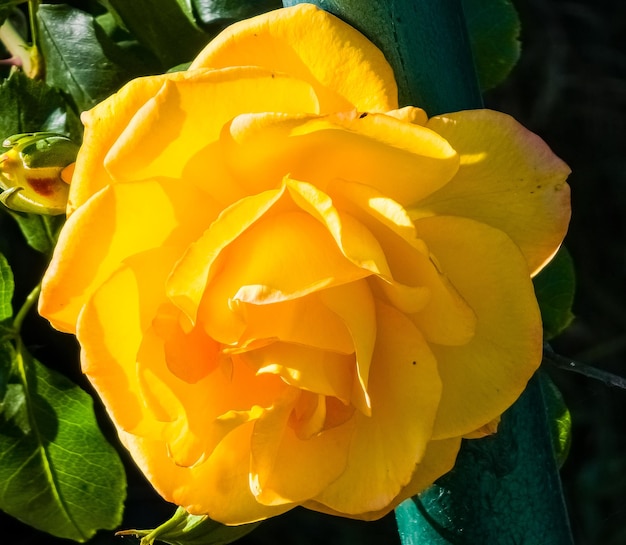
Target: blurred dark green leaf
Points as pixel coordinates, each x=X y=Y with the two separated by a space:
x=80 y=58
x=6 y=7
x=555 y=287
x=163 y=27
x=186 y=529
x=57 y=472
x=225 y=11
x=494 y=29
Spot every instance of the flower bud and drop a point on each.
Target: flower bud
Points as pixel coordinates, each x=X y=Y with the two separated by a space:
x=31 y=172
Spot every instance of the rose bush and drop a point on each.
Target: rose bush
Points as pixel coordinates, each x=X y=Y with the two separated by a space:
x=288 y=291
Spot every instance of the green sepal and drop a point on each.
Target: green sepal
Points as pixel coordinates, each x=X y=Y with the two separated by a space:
x=30 y=172
x=186 y=529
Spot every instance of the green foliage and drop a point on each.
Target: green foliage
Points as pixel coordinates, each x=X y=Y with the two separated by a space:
x=186 y=529
x=6 y=290
x=28 y=105
x=79 y=55
x=157 y=26
x=40 y=232
x=559 y=419
x=57 y=472
x=225 y=11
x=555 y=287
x=494 y=29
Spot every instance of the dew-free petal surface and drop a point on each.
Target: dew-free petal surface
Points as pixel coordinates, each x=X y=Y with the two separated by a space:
x=144 y=215
x=482 y=378
x=404 y=387
x=297 y=41
x=508 y=178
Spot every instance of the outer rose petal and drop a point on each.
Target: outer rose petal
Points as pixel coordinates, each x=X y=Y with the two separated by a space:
x=225 y=492
x=508 y=178
x=482 y=378
x=387 y=446
x=110 y=340
x=145 y=215
x=149 y=114
x=186 y=115
x=297 y=41
x=439 y=458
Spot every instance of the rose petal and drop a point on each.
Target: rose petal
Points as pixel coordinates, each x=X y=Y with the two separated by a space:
x=305 y=321
x=404 y=161
x=280 y=258
x=189 y=279
x=110 y=339
x=145 y=215
x=439 y=458
x=182 y=118
x=404 y=387
x=354 y=304
x=279 y=456
x=224 y=493
x=414 y=285
x=297 y=41
x=508 y=178
x=484 y=377
x=306 y=368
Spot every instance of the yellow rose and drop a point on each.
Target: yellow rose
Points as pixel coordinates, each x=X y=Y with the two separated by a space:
x=288 y=291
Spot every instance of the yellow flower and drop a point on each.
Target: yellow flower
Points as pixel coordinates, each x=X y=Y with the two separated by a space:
x=288 y=291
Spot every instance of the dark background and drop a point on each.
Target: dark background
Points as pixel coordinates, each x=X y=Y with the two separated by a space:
x=570 y=88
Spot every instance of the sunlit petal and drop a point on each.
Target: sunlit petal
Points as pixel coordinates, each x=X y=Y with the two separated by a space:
x=297 y=41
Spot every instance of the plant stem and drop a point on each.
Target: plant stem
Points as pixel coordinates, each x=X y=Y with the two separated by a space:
x=31 y=299
x=23 y=54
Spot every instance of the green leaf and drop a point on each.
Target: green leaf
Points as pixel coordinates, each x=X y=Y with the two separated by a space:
x=6 y=289
x=27 y=105
x=555 y=287
x=80 y=58
x=39 y=231
x=57 y=472
x=494 y=29
x=559 y=419
x=186 y=529
x=225 y=11
x=163 y=27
